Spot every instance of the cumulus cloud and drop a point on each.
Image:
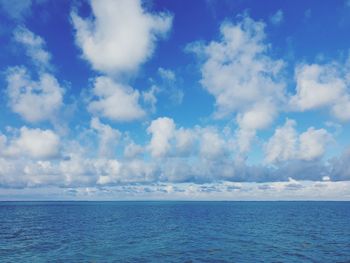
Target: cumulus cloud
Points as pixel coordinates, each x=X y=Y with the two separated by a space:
x=120 y=36
x=317 y=86
x=111 y=170
x=197 y=154
x=162 y=130
x=117 y=39
x=312 y=143
x=170 y=141
x=260 y=116
x=341 y=109
x=87 y=171
x=185 y=140
x=286 y=144
x=108 y=137
x=33 y=143
x=115 y=101
x=179 y=155
x=34 y=45
x=243 y=78
x=132 y=150
x=103 y=171
x=282 y=144
x=320 y=86
x=212 y=145
x=33 y=100
x=237 y=70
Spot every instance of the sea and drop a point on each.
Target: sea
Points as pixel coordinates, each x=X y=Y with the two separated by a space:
x=175 y=231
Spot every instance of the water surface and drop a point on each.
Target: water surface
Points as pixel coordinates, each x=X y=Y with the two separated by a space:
x=174 y=231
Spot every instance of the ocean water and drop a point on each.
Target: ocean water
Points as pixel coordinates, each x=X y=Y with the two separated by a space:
x=174 y=231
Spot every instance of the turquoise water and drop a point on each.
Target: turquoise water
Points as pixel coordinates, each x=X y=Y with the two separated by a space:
x=174 y=231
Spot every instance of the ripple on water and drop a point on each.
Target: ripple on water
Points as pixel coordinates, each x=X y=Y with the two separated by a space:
x=175 y=232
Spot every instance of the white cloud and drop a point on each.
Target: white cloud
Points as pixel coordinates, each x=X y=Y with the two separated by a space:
x=136 y=170
x=244 y=80
x=162 y=130
x=110 y=171
x=196 y=155
x=192 y=145
x=317 y=86
x=282 y=145
x=108 y=138
x=35 y=46
x=341 y=109
x=313 y=143
x=260 y=116
x=34 y=143
x=132 y=150
x=167 y=140
x=320 y=86
x=277 y=18
x=212 y=145
x=185 y=139
x=34 y=101
x=286 y=144
x=115 y=101
x=121 y=35
x=90 y=171
x=237 y=70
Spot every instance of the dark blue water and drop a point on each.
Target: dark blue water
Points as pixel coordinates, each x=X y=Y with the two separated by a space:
x=174 y=231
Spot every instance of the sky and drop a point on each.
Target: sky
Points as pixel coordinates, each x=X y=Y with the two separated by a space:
x=174 y=100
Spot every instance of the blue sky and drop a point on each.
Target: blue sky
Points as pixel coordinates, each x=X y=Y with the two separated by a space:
x=241 y=100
